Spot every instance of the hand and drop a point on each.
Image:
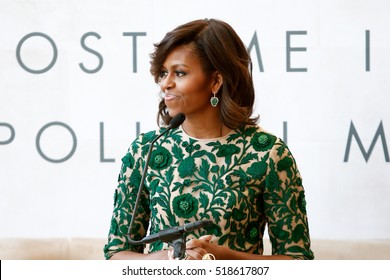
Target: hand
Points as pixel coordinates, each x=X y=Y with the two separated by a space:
x=195 y=248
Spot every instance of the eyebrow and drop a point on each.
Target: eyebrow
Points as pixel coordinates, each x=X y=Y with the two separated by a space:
x=177 y=65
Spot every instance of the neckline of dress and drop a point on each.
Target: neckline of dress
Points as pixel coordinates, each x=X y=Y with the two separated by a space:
x=207 y=139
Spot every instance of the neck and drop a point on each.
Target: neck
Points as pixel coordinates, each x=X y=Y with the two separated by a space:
x=205 y=130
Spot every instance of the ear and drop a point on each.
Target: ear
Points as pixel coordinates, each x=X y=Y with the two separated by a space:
x=217 y=82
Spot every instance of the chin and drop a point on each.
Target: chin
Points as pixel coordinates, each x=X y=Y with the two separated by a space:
x=173 y=112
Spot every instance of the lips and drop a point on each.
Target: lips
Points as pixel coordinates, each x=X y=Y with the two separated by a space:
x=170 y=96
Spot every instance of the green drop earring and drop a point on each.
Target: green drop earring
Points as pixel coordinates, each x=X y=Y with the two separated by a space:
x=214 y=100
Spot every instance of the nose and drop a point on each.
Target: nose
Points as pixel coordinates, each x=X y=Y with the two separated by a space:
x=166 y=82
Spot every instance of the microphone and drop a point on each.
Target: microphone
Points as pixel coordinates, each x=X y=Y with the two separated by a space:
x=174 y=123
x=170 y=234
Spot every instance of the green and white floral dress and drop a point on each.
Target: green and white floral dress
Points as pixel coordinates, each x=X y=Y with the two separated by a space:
x=242 y=182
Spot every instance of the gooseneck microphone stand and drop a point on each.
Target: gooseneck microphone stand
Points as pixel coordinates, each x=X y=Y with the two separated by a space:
x=174 y=236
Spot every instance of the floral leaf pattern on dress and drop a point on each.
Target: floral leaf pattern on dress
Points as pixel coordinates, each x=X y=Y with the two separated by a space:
x=243 y=182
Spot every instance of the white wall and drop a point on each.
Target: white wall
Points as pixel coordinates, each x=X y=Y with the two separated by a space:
x=344 y=51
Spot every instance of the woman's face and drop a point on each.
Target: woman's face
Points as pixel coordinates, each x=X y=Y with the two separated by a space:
x=186 y=86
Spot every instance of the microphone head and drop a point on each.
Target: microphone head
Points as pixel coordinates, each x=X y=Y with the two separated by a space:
x=177 y=120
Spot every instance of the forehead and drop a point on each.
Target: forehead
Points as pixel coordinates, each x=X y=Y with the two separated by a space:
x=183 y=54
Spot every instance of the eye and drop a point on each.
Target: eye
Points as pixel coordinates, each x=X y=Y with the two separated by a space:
x=163 y=73
x=180 y=73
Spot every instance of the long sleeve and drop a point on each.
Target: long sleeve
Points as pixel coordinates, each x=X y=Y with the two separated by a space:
x=124 y=202
x=285 y=205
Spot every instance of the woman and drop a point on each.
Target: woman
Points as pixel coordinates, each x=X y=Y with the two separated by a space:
x=219 y=165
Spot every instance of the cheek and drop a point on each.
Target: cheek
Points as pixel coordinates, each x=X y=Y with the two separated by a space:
x=198 y=96
x=198 y=89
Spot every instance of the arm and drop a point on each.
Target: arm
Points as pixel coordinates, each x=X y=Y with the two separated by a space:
x=129 y=255
x=198 y=247
x=125 y=195
x=285 y=205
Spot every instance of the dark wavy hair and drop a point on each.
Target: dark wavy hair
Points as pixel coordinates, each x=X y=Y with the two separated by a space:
x=219 y=48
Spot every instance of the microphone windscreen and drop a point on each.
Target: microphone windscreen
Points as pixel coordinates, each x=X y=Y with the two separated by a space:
x=177 y=120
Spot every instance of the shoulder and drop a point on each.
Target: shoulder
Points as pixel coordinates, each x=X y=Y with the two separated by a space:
x=145 y=138
x=267 y=144
x=261 y=140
